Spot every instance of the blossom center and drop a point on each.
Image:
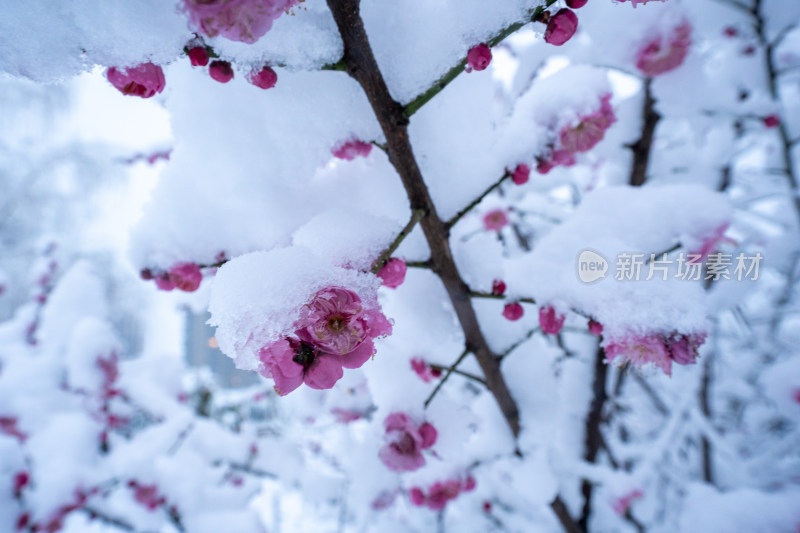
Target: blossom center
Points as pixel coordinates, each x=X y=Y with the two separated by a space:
x=304 y=355
x=336 y=323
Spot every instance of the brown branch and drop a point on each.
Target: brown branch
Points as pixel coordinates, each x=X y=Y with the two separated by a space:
x=446 y=376
x=641 y=148
x=381 y=260
x=362 y=67
x=593 y=439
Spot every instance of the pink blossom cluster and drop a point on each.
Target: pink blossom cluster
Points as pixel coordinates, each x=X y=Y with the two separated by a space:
x=661 y=350
x=182 y=276
x=579 y=138
x=440 y=493
x=425 y=372
x=263 y=77
x=665 y=52
x=351 y=149
x=334 y=331
x=143 y=80
x=405 y=441
x=147 y=495
x=238 y=20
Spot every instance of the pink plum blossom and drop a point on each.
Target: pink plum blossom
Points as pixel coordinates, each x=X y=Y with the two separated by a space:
x=561 y=27
x=425 y=372
x=479 y=57
x=622 y=505
x=590 y=130
x=221 y=71
x=655 y=348
x=405 y=442
x=665 y=53
x=521 y=174
x=147 y=495
x=334 y=331
x=551 y=321
x=440 y=493
x=264 y=78
x=198 y=56
x=495 y=220
x=393 y=273
x=143 y=80
x=351 y=149
x=237 y=20
x=513 y=311
x=595 y=327
x=576 y=4
x=186 y=276
x=498 y=287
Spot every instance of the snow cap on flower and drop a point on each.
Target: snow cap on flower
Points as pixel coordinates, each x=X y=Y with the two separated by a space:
x=221 y=71
x=665 y=52
x=479 y=57
x=405 y=442
x=237 y=20
x=349 y=150
x=393 y=273
x=143 y=80
x=263 y=78
x=551 y=321
x=561 y=27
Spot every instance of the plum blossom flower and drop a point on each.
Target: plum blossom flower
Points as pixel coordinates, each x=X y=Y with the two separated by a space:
x=147 y=495
x=521 y=174
x=333 y=331
x=495 y=220
x=264 y=78
x=551 y=321
x=479 y=57
x=186 y=276
x=351 y=149
x=143 y=80
x=440 y=493
x=425 y=372
x=561 y=27
x=393 y=273
x=590 y=130
x=221 y=71
x=513 y=311
x=576 y=4
x=237 y=20
x=622 y=505
x=665 y=53
x=658 y=349
x=405 y=442
x=198 y=56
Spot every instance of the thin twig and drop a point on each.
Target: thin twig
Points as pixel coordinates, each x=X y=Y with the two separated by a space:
x=452 y=222
x=446 y=376
x=416 y=216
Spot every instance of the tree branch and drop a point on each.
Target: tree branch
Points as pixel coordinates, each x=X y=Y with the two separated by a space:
x=446 y=376
x=416 y=216
x=593 y=439
x=641 y=148
x=452 y=222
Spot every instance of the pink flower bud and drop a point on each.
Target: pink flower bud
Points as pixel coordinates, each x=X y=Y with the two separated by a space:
x=146 y=274
x=198 y=55
x=595 y=327
x=21 y=480
x=163 y=282
x=498 y=287
x=221 y=71
x=730 y=31
x=487 y=506
x=521 y=174
x=393 y=273
x=771 y=121
x=186 y=276
x=144 y=80
x=266 y=78
x=23 y=521
x=561 y=27
x=576 y=4
x=479 y=57
x=543 y=166
x=513 y=311
x=495 y=220
x=416 y=496
x=424 y=370
x=352 y=149
x=550 y=321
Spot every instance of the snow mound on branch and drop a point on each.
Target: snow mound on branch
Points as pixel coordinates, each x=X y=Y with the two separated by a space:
x=256 y=298
x=346 y=238
x=628 y=220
